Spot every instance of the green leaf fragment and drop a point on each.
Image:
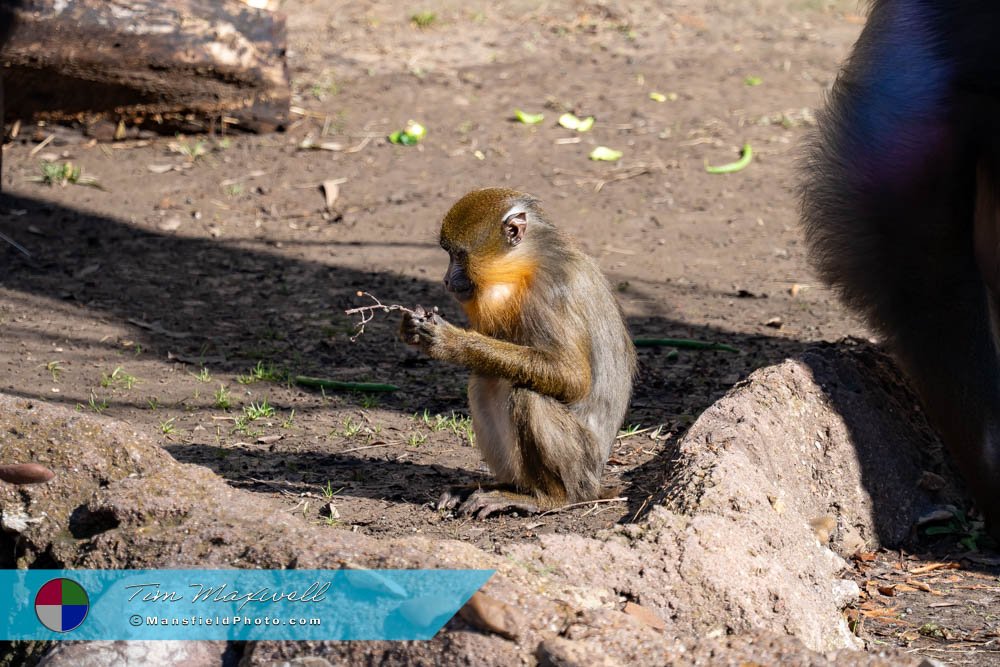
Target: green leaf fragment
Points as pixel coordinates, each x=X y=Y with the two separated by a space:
x=409 y=135
x=415 y=130
x=657 y=97
x=571 y=122
x=528 y=118
x=731 y=167
x=605 y=154
x=753 y=81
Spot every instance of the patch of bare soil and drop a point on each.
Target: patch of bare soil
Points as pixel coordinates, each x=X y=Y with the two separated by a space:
x=207 y=270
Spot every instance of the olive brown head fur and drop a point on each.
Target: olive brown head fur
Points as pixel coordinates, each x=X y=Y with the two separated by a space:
x=551 y=359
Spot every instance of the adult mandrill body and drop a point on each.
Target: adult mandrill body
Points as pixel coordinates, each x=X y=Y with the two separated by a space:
x=551 y=358
x=901 y=207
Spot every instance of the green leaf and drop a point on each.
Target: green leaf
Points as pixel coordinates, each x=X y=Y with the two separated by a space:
x=605 y=154
x=409 y=135
x=571 y=122
x=528 y=118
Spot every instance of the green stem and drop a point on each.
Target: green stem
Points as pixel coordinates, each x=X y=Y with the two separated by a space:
x=733 y=166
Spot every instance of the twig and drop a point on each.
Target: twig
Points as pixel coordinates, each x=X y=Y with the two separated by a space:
x=368 y=312
x=585 y=502
x=358 y=449
x=361 y=145
x=638 y=171
x=15 y=244
x=683 y=343
x=45 y=142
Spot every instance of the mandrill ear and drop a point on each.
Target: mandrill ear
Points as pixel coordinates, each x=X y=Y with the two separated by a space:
x=514 y=225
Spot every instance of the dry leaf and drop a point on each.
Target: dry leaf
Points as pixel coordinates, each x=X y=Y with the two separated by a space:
x=930 y=567
x=331 y=191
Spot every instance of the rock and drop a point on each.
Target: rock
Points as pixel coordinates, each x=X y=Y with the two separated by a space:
x=491 y=615
x=114 y=654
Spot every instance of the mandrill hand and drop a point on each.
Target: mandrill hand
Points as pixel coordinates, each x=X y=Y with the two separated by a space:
x=426 y=330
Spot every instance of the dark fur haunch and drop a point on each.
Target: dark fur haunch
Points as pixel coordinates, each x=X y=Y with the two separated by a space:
x=902 y=215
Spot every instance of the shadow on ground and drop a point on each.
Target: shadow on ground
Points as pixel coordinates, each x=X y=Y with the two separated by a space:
x=231 y=304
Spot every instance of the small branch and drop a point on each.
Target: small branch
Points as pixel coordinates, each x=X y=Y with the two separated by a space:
x=14 y=244
x=358 y=449
x=582 y=504
x=368 y=312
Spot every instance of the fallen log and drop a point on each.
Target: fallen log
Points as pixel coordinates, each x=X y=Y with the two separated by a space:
x=181 y=65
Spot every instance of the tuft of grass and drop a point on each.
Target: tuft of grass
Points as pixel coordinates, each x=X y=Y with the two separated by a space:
x=118 y=378
x=54 y=173
x=256 y=411
x=55 y=369
x=203 y=375
x=167 y=426
x=460 y=425
x=95 y=405
x=262 y=373
x=251 y=413
x=350 y=428
x=416 y=439
x=223 y=399
x=242 y=425
x=328 y=491
x=153 y=402
x=287 y=422
x=423 y=19
x=192 y=151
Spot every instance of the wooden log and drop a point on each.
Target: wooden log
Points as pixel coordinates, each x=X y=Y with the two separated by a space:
x=6 y=25
x=183 y=64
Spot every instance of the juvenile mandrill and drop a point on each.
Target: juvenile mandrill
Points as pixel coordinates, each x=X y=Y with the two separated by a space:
x=551 y=358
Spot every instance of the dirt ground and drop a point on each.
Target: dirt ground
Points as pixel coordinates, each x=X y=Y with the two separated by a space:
x=206 y=270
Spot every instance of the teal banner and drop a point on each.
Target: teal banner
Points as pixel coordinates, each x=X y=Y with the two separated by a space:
x=232 y=604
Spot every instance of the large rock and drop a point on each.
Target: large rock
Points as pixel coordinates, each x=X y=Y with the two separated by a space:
x=724 y=568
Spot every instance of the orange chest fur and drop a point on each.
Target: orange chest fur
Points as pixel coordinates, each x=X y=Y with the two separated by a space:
x=501 y=285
